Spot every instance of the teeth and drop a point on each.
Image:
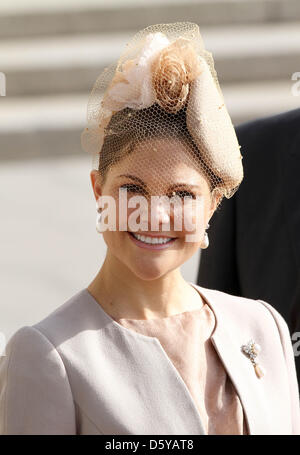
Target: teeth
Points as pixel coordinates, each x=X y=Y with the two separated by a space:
x=151 y=240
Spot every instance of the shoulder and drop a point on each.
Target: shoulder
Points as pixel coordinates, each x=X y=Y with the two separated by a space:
x=57 y=328
x=39 y=347
x=28 y=348
x=69 y=319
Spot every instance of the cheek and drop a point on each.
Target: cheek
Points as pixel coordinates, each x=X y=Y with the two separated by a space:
x=114 y=239
x=115 y=214
x=194 y=217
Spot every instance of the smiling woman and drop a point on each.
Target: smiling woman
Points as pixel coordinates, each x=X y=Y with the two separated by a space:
x=140 y=350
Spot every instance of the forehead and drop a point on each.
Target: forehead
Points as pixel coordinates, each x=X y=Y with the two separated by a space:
x=161 y=161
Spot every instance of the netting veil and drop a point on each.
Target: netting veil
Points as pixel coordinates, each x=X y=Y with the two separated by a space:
x=163 y=87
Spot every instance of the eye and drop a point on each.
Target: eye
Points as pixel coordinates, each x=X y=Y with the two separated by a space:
x=183 y=194
x=132 y=188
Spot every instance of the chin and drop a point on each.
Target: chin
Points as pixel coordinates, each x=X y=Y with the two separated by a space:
x=149 y=275
x=148 y=270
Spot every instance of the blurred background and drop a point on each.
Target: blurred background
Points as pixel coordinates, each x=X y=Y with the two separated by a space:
x=51 y=54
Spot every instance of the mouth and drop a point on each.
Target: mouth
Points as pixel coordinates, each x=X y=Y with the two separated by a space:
x=151 y=242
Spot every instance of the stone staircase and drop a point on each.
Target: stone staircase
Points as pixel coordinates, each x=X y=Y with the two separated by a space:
x=52 y=54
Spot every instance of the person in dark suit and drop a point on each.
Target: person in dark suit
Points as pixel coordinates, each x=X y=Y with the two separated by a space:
x=254 y=237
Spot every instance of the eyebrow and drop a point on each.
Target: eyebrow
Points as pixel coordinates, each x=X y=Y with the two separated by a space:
x=185 y=185
x=137 y=179
x=176 y=185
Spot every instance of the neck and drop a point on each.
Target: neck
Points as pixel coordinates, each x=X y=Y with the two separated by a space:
x=122 y=294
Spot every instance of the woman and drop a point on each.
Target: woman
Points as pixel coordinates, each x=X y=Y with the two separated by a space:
x=140 y=350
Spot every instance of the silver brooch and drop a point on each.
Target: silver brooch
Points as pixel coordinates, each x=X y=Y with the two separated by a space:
x=251 y=350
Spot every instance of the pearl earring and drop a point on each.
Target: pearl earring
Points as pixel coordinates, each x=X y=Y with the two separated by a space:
x=205 y=241
x=98 y=221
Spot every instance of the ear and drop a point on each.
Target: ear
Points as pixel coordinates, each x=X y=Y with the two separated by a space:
x=215 y=199
x=96 y=183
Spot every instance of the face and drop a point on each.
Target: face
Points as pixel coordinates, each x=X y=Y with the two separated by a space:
x=148 y=236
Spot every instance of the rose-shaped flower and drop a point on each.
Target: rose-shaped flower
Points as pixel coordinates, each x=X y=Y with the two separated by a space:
x=176 y=66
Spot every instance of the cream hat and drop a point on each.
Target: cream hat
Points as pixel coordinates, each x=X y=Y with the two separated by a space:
x=164 y=85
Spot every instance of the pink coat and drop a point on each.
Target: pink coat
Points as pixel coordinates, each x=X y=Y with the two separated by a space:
x=78 y=371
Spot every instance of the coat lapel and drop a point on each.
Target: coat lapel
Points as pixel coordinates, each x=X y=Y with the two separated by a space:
x=227 y=338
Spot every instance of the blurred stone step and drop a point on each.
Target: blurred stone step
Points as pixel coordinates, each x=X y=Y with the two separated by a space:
x=33 y=18
x=69 y=64
x=41 y=126
x=51 y=126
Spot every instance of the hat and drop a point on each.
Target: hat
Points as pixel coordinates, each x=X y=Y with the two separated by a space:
x=164 y=85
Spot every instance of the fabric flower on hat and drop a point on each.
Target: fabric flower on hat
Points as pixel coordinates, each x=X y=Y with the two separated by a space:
x=132 y=85
x=173 y=70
